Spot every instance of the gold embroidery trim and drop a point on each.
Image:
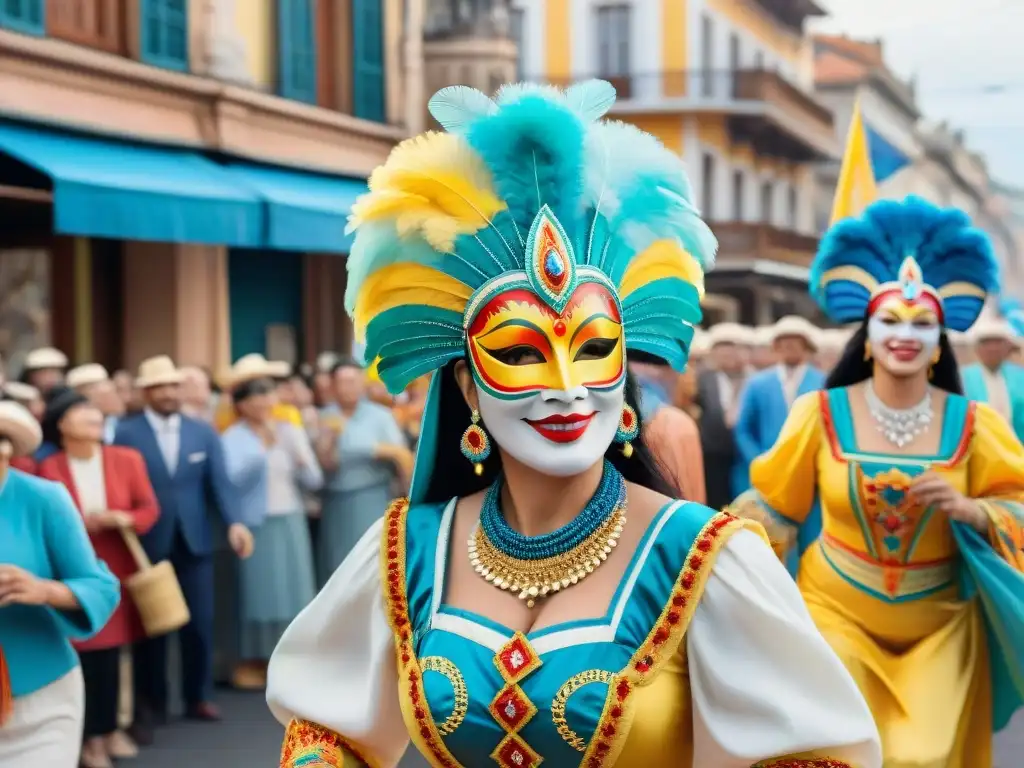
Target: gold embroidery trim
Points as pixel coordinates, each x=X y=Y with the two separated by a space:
x=443 y=666
x=561 y=699
x=422 y=729
x=663 y=640
x=313 y=746
x=788 y=762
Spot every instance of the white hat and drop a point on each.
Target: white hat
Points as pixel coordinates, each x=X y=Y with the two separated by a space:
x=833 y=339
x=254 y=366
x=84 y=375
x=156 y=372
x=325 y=361
x=44 y=358
x=23 y=393
x=18 y=426
x=794 y=325
x=728 y=333
x=991 y=328
x=762 y=336
x=700 y=343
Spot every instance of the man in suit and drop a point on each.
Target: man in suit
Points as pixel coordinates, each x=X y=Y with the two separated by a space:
x=718 y=390
x=186 y=465
x=995 y=379
x=769 y=394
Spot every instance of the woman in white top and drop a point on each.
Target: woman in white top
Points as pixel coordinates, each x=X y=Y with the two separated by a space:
x=271 y=462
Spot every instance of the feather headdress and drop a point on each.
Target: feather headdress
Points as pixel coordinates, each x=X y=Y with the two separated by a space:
x=530 y=189
x=910 y=247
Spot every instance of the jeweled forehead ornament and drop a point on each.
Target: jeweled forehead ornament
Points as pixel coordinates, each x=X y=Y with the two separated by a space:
x=551 y=271
x=910 y=288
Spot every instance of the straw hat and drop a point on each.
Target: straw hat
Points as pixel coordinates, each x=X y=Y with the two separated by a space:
x=45 y=358
x=254 y=366
x=18 y=426
x=325 y=361
x=84 y=375
x=700 y=344
x=794 y=325
x=22 y=393
x=762 y=336
x=156 y=372
x=990 y=329
x=728 y=333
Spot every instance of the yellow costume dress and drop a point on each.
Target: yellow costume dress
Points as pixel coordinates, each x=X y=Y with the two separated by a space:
x=884 y=580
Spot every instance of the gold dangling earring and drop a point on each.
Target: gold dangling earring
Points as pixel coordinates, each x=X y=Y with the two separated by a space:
x=629 y=428
x=476 y=445
x=936 y=356
x=867 y=351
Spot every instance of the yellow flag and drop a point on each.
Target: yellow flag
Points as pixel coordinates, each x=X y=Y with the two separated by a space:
x=856 y=189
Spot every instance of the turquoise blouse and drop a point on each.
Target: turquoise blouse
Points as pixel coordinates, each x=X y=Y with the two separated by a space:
x=42 y=533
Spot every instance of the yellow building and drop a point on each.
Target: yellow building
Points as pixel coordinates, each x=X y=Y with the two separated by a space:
x=175 y=175
x=726 y=84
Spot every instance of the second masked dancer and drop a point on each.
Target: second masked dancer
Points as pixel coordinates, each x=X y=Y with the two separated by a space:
x=914 y=575
x=542 y=597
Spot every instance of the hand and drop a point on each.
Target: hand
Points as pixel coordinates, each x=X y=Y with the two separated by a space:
x=267 y=434
x=106 y=520
x=932 y=490
x=19 y=587
x=240 y=539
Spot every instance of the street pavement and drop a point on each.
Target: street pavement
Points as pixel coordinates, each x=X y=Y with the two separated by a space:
x=250 y=738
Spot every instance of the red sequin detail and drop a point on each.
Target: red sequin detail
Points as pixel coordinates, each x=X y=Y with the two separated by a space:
x=559 y=328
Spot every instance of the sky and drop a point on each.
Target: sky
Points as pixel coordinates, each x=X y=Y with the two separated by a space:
x=968 y=58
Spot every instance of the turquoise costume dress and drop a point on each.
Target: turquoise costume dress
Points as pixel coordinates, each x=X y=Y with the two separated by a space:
x=533 y=217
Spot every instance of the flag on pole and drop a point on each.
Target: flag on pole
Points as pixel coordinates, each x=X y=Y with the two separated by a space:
x=856 y=189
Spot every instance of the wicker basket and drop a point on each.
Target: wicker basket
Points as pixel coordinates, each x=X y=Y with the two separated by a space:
x=155 y=591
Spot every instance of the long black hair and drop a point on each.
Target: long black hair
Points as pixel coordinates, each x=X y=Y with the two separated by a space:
x=454 y=476
x=852 y=368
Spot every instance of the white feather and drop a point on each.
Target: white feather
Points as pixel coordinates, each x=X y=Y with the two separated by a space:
x=591 y=99
x=457 y=106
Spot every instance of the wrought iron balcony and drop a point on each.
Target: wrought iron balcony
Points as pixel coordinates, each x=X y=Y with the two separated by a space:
x=763 y=108
x=743 y=243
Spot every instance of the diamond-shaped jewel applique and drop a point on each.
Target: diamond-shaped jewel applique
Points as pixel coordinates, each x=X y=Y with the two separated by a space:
x=516 y=659
x=512 y=709
x=513 y=752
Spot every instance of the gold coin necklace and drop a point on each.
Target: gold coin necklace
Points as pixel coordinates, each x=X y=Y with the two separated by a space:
x=537 y=566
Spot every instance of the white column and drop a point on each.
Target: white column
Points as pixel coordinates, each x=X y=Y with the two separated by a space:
x=225 y=48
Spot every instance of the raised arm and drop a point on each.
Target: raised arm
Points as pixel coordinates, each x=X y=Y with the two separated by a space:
x=767 y=689
x=333 y=679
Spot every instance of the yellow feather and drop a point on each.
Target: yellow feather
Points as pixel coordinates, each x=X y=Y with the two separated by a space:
x=437 y=185
x=400 y=284
x=663 y=258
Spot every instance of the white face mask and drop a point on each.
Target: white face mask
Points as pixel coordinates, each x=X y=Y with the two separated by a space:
x=902 y=347
x=558 y=433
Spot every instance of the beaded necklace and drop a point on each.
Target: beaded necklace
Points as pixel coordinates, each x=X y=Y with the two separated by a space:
x=536 y=566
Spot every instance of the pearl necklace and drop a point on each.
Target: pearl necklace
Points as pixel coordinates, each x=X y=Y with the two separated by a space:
x=900 y=426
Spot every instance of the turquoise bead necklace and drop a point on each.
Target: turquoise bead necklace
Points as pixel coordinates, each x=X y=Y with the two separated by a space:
x=535 y=566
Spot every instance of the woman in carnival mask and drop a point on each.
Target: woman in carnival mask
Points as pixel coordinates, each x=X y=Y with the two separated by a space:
x=914 y=569
x=508 y=613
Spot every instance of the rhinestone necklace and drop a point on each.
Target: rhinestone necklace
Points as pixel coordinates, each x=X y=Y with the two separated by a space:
x=899 y=425
x=537 y=566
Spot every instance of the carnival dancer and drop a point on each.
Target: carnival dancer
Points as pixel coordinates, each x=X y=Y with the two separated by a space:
x=511 y=614
x=915 y=577
x=995 y=379
x=769 y=394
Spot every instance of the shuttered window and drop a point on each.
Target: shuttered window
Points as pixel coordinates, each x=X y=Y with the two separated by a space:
x=296 y=50
x=26 y=16
x=368 y=60
x=164 y=33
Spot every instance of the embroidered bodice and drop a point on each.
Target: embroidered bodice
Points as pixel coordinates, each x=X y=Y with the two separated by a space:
x=703 y=608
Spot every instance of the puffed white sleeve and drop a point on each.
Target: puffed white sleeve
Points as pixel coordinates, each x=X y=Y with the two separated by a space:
x=333 y=679
x=765 y=684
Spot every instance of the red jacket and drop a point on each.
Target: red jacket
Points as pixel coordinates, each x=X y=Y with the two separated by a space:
x=128 y=490
x=25 y=463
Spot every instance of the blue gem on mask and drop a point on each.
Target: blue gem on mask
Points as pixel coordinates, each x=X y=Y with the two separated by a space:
x=553 y=264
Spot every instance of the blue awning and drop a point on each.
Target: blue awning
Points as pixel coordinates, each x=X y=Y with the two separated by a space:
x=306 y=212
x=129 y=191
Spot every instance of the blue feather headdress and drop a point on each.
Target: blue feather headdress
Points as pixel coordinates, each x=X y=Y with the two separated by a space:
x=909 y=247
x=528 y=190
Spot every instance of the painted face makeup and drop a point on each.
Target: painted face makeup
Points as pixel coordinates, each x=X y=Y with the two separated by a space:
x=551 y=386
x=903 y=335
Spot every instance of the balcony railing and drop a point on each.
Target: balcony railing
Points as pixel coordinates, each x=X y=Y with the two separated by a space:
x=757 y=98
x=739 y=240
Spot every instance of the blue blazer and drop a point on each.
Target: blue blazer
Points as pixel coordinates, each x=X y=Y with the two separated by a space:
x=763 y=411
x=199 y=483
x=975 y=389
